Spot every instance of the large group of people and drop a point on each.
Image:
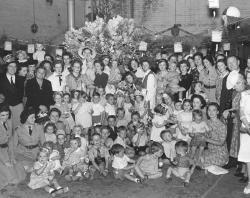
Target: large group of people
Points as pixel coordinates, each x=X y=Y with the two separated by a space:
x=75 y=118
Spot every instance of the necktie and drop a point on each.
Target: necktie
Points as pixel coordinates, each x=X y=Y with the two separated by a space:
x=30 y=130
x=11 y=81
x=60 y=79
x=5 y=126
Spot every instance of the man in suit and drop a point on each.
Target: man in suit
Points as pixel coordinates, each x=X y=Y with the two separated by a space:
x=12 y=86
x=39 y=90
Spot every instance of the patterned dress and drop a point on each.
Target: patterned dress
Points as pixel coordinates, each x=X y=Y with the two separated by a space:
x=235 y=141
x=217 y=154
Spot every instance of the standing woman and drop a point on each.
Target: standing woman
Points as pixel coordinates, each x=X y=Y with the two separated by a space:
x=209 y=78
x=76 y=80
x=27 y=139
x=244 y=151
x=9 y=170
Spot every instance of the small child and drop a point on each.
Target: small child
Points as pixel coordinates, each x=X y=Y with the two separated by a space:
x=133 y=124
x=140 y=140
x=42 y=175
x=98 y=113
x=168 y=144
x=102 y=93
x=54 y=155
x=159 y=121
x=147 y=166
x=122 y=137
x=120 y=164
x=184 y=120
x=61 y=144
x=83 y=112
x=42 y=115
x=112 y=127
x=75 y=162
x=182 y=164
x=199 y=129
x=77 y=132
x=120 y=98
x=121 y=121
x=141 y=106
x=105 y=139
x=127 y=107
x=50 y=132
x=98 y=156
x=198 y=86
x=110 y=108
x=177 y=109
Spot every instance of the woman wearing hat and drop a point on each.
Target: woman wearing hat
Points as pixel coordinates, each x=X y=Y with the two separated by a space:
x=27 y=139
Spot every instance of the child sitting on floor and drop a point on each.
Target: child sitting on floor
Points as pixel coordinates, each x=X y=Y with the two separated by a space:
x=147 y=166
x=98 y=156
x=182 y=164
x=120 y=164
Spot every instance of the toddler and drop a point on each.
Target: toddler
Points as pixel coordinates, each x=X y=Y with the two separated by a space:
x=75 y=163
x=50 y=132
x=42 y=175
x=199 y=129
x=120 y=164
x=168 y=144
x=98 y=156
x=61 y=144
x=127 y=107
x=184 y=120
x=78 y=132
x=83 y=112
x=198 y=90
x=133 y=124
x=121 y=121
x=98 y=111
x=182 y=164
x=105 y=139
x=141 y=106
x=159 y=121
x=110 y=108
x=147 y=166
x=140 y=140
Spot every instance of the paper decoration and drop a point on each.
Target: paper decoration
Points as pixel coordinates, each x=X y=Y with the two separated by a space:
x=226 y=46
x=143 y=46
x=213 y=4
x=7 y=45
x=31 y=48
x=178 y=47
x=216 y=36
x=59 y=52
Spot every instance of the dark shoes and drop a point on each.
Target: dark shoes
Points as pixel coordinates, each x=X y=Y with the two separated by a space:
x=244 y=179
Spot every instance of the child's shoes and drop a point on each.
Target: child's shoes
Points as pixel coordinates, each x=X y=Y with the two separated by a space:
x=168 y=180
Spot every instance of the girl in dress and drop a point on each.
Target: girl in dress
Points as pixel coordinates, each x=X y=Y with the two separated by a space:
x=127 y=107
x=147 y=166
x=42 y=175
x=83 y=112
x=184 y=121
x=50 y=132
x=182 y=164
x=159 y=121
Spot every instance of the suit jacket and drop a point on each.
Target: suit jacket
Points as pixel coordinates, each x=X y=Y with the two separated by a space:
x=13 y=94
x=38 y=96
x=226 y=96
x=113 y=133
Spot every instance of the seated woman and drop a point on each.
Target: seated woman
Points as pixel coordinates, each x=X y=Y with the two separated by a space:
x=27 y=139
x=217 y=153
x=10 y=171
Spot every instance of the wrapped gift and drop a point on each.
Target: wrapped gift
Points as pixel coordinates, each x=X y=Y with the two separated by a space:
x=143 y=46
x=7 y=45
x=31 y=48
x=178 y=47
x=216 y=36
